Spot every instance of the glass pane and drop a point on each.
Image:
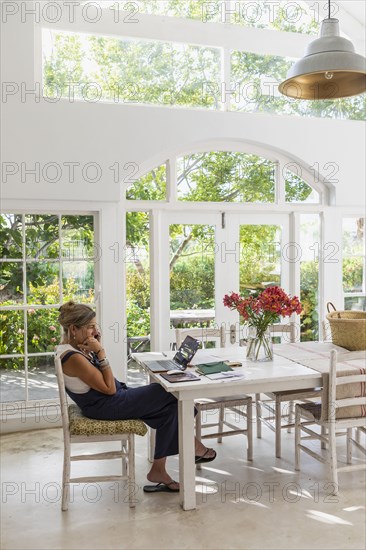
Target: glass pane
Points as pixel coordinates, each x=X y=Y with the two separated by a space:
x=11 y=236
x=150 y=187
x=297 y=190
x=78 y=281
x=11 y=283
x=41 y=236
x=255 y=79
x=137 y=258
x=43 y=330
x=11 y=332
x=260 y=257
x=42 y=383
x=353 y=247
x=12 y=376
x=357 y=303
x=77 y=234
x=309 y=276
x=129 y=70
x=225 y=176
x=192 y=274
x=43 y=286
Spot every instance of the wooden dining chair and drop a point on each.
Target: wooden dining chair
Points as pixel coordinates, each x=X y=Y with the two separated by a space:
x=343 y=406
x=273 y=401
x=80 y=429
x=241 y=407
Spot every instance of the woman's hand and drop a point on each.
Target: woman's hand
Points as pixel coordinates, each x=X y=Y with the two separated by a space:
x=91 y=344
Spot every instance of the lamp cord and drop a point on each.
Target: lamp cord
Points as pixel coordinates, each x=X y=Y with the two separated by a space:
x=328 y=9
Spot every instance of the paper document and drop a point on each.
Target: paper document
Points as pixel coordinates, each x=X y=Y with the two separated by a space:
x=225 y=375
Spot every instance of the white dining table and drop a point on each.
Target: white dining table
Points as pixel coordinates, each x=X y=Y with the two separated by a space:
x=284 y=372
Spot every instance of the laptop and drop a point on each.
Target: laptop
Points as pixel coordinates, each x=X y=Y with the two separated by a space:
x=180 y=360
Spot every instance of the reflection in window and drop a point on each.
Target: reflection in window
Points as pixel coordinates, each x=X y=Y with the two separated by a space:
x=151 y=187
x=297 y=190
x=128 y=70
x=226 y=177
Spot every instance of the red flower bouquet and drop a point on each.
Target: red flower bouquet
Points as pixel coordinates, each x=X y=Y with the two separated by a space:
x=262 y=311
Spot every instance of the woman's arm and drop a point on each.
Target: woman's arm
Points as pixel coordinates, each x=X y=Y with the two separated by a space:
x=101 y=380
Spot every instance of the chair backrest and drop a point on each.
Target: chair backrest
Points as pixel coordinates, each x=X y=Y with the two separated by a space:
x=286 y=331
x=327 y=333
x=347 y=391
x=203 y=334
x=63 y=397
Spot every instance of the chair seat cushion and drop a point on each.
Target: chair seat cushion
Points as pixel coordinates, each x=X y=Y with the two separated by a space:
x=311 y=409
x=81 y=425
x=285 y=393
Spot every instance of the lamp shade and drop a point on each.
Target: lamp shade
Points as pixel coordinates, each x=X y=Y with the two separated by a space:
x=330 y=68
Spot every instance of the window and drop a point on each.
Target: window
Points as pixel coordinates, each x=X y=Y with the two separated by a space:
x=285 y=16
x=225 y=176
x=46 y=259
x=354 y=263
x=128 y=70
x=151 y=187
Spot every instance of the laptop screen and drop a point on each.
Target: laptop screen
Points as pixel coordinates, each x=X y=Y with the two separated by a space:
x=186 y=351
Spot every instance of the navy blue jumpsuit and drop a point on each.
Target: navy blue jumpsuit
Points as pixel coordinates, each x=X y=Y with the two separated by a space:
x=151 y=403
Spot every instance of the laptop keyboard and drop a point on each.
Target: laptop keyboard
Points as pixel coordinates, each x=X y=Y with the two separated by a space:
x=166 y=364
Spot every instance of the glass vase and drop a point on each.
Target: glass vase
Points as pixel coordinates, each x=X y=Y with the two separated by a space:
x=259 y=345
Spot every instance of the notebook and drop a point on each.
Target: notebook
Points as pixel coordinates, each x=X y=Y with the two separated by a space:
x=185 y=376
x=180 y=360
x=213 y=368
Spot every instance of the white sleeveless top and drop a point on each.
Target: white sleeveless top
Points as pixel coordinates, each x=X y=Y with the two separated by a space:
x=72 y=383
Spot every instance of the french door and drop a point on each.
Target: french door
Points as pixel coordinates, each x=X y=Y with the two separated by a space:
x=197 y=257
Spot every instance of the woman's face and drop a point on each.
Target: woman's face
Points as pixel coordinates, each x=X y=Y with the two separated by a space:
x=82 y=333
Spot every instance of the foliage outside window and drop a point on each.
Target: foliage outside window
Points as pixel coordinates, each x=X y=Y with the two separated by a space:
x=46 y=259
x=353 y=265
x=225 y=176
x=128 y=70
x=150 y=187
x=308 y=255
x=297 y=190
x=285 y=16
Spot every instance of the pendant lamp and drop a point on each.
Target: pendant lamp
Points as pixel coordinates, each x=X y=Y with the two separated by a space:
x=330 y=68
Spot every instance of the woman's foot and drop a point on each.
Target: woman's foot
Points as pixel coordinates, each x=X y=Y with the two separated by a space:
x=156 y=475
x=202 y=451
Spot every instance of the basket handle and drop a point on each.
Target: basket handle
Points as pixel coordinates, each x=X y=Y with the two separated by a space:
x=334 y=308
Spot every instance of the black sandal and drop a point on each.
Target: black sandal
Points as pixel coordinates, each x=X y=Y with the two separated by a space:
x=202 y=459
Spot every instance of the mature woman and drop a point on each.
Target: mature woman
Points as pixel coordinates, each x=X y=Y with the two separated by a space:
x=89 y=381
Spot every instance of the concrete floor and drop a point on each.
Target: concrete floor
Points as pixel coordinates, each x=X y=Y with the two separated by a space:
x=263 y=504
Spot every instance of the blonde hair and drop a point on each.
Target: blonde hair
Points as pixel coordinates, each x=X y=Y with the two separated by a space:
x=72 y=313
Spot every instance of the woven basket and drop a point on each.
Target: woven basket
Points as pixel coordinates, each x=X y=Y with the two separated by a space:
x=348 y=328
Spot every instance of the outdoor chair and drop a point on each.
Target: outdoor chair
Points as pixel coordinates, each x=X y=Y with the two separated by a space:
x=343 y=406
x=80 y=429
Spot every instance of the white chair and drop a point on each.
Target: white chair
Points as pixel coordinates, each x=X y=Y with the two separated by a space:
x=234 y=405
x=283 y=419
x=339 y=409
x=79 y=429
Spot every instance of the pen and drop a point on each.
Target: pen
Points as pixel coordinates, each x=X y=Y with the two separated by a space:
x=165 y=355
